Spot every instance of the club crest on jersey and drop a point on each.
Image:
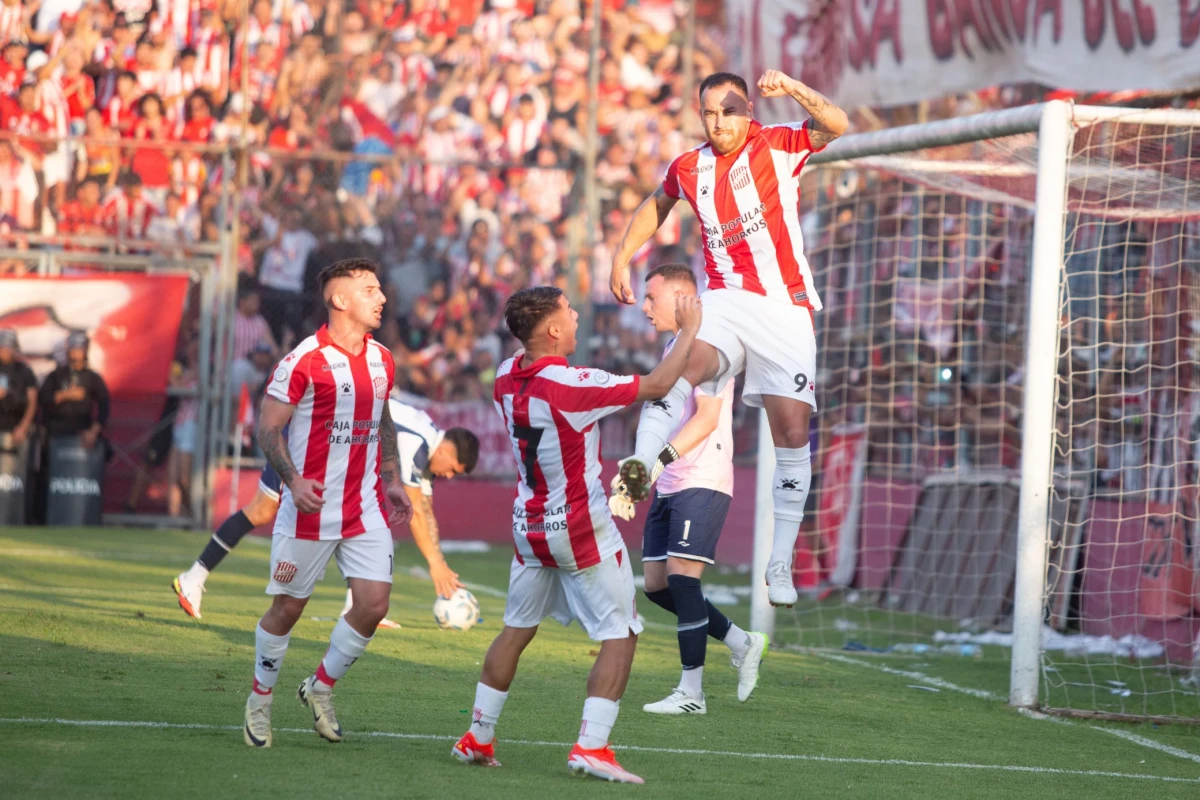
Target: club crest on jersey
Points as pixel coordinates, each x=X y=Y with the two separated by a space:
x=284 y=572
x=740 y=178
x=381 y=388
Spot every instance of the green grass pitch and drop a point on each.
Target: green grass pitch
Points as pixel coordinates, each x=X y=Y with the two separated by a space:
x=90 y=633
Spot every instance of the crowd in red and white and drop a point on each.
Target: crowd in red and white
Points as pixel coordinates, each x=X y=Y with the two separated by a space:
x=448 y=135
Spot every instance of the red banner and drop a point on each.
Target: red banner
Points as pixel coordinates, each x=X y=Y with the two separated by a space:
x=132 y=321
x=843 y=463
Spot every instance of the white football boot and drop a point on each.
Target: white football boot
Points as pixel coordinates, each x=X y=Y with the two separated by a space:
x=677 y=702
x=320 y=703
x=189 y=591
x=257 y=730
x=781 y=589
x=747 y=665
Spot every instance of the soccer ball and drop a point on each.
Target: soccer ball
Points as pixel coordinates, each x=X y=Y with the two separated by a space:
x=460 y=612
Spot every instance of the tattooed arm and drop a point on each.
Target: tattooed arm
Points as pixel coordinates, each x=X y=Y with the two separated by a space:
x=828 y=121
x=273 y=418
x=425 y=534
x=389 y=470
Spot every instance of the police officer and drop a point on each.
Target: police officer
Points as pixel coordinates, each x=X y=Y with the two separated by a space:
x=18 y=404
x=74 y=401
x=18 y=393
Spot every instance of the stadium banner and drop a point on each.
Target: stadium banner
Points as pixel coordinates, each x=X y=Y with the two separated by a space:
x=893 y=52
x=131 y=320
x=843 y=467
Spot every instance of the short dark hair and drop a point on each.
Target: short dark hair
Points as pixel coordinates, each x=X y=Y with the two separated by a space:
x=345 y=269
x=673 y=272
x=723 y=78
x=466 y=447
x=526 y=309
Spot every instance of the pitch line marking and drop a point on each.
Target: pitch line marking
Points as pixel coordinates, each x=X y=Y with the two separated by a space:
x=932 y=680
x=881 y=762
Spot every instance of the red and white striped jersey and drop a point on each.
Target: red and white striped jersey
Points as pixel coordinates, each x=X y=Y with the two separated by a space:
x=18 y=192
x=748 y=206
x=560 y=512
x=333 y=437
x=12 y=22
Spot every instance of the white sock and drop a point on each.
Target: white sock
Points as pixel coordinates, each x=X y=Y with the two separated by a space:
x=599 y=716
x=659 y=418
x=346 y=645
x=789 y=490
x=489 y=703
x=269 y=650
x=197 y=572
x=737 y=640
x=349 y=603
x=692 y=681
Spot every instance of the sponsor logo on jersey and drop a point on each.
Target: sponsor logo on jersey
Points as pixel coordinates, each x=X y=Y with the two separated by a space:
x=800 y=297
x=347 y=387
x=740 y=178
x=702 y=168
x=284 y=572
x=381 y=388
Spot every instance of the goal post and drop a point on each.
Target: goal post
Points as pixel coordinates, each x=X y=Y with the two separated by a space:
x=989 y=359
x=1049 y=225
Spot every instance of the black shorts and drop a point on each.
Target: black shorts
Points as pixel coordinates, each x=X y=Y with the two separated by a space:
x=686 y=525
x=269 y=483
x=159 y=446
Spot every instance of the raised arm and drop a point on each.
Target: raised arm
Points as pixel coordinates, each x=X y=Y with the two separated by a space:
x=828 y=121
x=648 y=218
x=659 y=382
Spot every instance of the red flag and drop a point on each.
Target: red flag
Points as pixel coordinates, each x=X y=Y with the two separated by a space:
x=245 y=408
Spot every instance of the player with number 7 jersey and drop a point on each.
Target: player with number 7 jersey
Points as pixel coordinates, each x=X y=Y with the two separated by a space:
x=570 y=562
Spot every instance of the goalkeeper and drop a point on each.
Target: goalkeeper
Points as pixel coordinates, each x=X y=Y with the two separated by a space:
x=680 y=538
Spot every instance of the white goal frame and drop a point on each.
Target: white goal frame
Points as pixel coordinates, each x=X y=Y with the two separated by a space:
x=1053 y=123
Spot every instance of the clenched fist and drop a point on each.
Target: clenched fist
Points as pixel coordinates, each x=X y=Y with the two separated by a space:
x=774 y=83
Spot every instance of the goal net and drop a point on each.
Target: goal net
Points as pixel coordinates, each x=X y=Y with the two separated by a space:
x=998 y=366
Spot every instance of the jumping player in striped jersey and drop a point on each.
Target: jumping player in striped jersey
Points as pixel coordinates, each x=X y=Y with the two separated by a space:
x=743 y=185
x=570 y=562
x=338 y=463
x=685 y=521
x=426 y=453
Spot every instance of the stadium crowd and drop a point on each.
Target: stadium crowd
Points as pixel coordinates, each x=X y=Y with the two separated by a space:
x=442 y=136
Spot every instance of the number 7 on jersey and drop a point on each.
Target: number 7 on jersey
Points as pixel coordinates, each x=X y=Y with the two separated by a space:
x=532 y=437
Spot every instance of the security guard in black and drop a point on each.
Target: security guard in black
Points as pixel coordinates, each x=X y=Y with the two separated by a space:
x=18 y=390
x=74 y=399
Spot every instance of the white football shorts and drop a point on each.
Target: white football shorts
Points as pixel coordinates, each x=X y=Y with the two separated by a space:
x=297 y=564
x=773 y=342
x=602 y=598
